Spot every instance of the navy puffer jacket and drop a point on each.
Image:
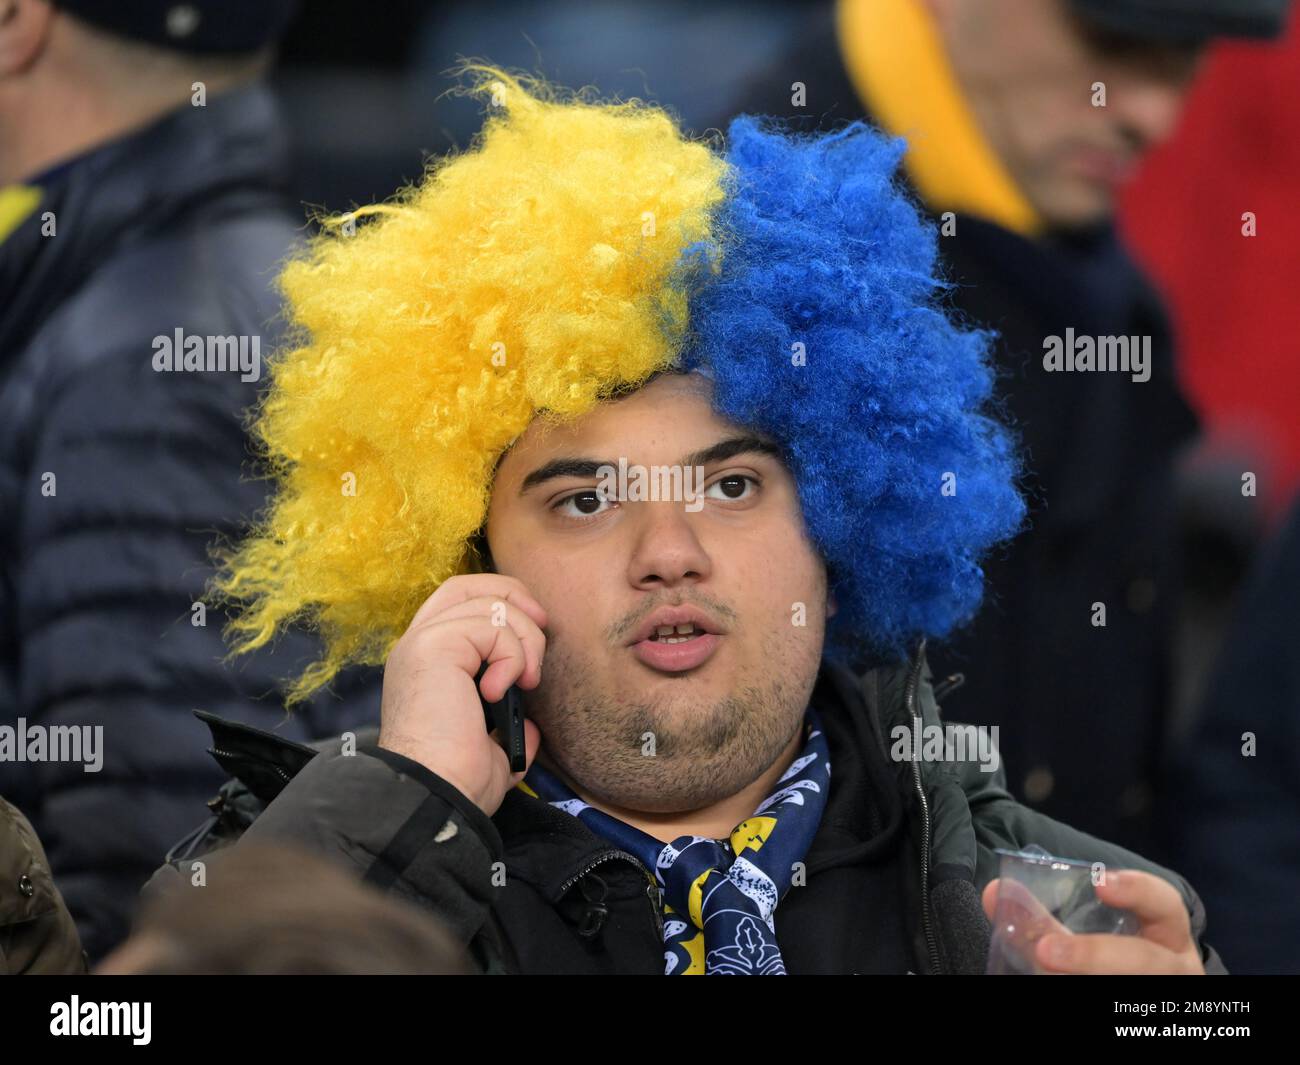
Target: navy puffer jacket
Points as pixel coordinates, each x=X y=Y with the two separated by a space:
x=115 y=478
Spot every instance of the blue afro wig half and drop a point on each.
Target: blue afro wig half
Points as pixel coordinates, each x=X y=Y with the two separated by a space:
x=824 y=328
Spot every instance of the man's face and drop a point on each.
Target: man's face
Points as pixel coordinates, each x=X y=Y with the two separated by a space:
x=644 y=724
x=1028 y=71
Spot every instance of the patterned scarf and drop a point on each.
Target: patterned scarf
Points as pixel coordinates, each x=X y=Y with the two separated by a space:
x=720 y=895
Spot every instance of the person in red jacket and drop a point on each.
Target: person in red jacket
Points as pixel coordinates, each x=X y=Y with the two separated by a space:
x=1225 y=249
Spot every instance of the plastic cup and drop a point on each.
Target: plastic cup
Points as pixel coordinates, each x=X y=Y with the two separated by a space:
x=1038 y=894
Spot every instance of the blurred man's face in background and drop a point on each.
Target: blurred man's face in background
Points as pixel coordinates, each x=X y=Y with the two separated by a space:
x=1027 y=68
x=721 y=706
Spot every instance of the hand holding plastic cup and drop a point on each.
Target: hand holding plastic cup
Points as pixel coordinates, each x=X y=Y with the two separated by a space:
x=1039 y=894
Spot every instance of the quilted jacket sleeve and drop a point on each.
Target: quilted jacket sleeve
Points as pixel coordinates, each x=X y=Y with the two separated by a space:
x=399 y=825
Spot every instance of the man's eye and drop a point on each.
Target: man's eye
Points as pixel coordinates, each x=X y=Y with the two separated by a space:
x=581 y=504
x=733 y=487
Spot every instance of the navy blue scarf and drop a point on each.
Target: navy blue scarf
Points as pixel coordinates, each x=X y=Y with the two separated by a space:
x=720 y=895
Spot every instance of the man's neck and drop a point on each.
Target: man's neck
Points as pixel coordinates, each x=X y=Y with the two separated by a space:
x=714 y=821
x=45 y=130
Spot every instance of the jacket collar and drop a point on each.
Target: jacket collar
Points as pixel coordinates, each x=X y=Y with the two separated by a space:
x=553 y=850
x=550 y=849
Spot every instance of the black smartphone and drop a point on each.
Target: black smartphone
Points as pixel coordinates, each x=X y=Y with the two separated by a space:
x=507 y=717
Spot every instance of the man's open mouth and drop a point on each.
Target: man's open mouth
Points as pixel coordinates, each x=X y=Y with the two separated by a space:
x=677 y=648
x=676 y=633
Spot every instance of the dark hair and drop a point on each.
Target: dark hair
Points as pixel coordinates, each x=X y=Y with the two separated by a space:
x=478 y=544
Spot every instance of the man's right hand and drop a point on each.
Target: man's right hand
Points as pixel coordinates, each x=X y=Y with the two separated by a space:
x=431 y=709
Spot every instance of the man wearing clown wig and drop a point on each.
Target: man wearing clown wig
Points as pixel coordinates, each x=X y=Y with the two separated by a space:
x=483 y=372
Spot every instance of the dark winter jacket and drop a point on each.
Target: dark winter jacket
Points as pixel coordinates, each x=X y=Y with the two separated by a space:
x=115 y=478
x=1082 y=707
x=893 y=877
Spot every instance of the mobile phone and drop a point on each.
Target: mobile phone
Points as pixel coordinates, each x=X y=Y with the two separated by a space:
x=506 y=715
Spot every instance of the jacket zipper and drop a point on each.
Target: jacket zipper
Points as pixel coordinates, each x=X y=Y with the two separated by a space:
x=653 y=892
x=234 y=754
x=913 y=680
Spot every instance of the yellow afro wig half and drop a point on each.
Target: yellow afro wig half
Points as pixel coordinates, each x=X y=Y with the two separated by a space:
x=537 y=272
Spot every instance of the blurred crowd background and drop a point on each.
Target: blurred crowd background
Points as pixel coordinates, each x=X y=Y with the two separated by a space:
x=1138 y=488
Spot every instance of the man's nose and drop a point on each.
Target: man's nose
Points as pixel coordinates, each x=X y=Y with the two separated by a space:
x=1150 y=105
x=667 y=551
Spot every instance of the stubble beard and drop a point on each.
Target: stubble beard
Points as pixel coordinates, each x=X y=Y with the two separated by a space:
x=664 y=755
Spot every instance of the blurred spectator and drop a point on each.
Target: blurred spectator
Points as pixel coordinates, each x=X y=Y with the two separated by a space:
x=258 y=909
x=1235 y=323
x=37 y=934
x=999 y=102
x=1233 y=805
x=1226 y=251
x=142 y=172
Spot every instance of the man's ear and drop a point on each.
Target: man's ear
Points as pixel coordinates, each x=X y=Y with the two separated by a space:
x=832 y=607
x=24 y=32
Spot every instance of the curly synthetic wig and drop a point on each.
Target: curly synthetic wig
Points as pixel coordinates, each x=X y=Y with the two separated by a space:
x=576 y=250
x=825 y=328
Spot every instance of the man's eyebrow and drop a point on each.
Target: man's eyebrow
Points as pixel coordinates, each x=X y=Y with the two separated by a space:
x=729 y=449
x=564 y=468
x=584 y=467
